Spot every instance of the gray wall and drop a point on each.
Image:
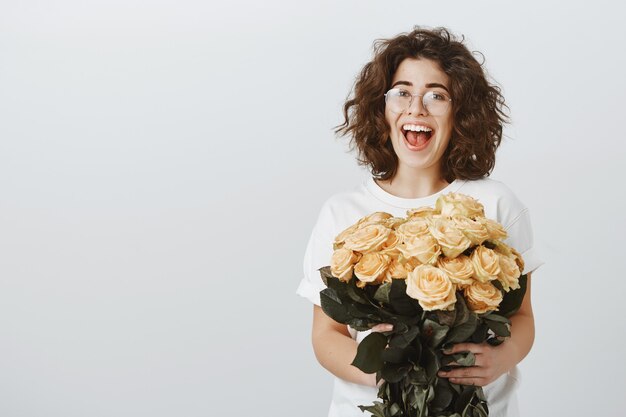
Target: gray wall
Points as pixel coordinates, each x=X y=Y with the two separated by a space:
x=162 y=164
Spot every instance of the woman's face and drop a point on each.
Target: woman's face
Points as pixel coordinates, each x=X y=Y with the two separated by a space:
x=419 y=149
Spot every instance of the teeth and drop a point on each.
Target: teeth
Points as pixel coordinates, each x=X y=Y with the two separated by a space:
x=417 y=128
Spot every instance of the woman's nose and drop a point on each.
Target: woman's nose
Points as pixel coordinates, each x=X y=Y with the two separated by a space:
x=417 y=106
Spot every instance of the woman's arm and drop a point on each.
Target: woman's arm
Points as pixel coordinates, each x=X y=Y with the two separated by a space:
x=335 y=349
x=522 y=330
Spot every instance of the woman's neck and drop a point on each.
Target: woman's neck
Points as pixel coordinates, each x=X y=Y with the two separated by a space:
x=412 y=184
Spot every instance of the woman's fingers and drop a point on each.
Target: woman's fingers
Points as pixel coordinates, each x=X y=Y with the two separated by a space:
x=382 y=327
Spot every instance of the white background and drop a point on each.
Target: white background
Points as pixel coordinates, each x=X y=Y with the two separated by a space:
x=162 y=164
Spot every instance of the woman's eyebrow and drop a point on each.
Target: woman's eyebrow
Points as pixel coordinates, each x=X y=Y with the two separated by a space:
x=429 y=85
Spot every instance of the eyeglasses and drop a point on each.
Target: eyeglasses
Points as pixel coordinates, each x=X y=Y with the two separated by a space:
x=435 y=102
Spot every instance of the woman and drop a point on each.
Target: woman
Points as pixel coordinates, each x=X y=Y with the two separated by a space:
x=426 y=121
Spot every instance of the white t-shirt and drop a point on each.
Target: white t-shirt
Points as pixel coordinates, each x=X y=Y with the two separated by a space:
x=344 y=209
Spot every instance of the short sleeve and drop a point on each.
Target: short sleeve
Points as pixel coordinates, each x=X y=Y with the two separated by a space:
x=520 y=237
x=318 y=254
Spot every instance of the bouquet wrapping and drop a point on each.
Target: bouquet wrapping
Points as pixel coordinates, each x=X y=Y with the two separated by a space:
x=441 y=276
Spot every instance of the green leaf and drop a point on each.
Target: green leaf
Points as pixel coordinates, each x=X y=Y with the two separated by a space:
x=446 y=317
x=464 y=358
x=481 y=333
x=355 y=293
x=500 y=329
x=401 y=302
x=369 y=353
x=434 y=332
x=394 y=372
x=377 y=410
x=463 y=313
x=463 y=331
x=417 y=375
x=430 y=362
x=325 y=273
x=443 y=395
x=394 y=410
x=398 y=355
x=333 y=307
x=382 y=293
x=496 y=317
x=402 y=340
x=512 y=300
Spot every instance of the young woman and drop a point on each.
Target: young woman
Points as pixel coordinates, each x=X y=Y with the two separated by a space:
x=426 y=121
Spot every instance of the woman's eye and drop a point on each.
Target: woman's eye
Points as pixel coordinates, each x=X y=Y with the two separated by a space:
x=438 y=96
x=403 y=93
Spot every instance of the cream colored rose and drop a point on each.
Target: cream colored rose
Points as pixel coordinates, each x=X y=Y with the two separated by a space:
x=413 y=228
x=390 y=246
x=342 y=263
x=482 y=297
x=486 y=264
x=372 y=267
x=518 y=259
x=377 y=217
x=341 y=237
x=411 y=263
x=452 y=241
x=459 y=269
x=431 y=287
x=452 y=204
x=502 y=248
x=509 y=275
x=368 y=238
x=421 y=212
x=473 y=230
x=394 y=222
x=425 y=248
x=496 y=230
x=396 y=270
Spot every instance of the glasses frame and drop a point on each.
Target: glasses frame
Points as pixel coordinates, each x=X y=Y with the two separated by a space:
x=418 y=95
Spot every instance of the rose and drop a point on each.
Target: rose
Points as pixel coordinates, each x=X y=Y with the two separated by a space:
x=486 y=264
x=459 y=269
x=496 y=230
x=390 y=246
x=413 y=228
x=452 y=204
x=421 y=212
x=424 y=248
x=431 y=287
x=518 y=259
x=368 y=238
x=371 y=268
x=507 y=250
x=473 y=230
x=482 y=297
x=379 y=217
x=396 y=270
x=373 y=218
x=342 y=263
x=394 y=222
x=509 y=275
x=452 y=241
x=341 y=237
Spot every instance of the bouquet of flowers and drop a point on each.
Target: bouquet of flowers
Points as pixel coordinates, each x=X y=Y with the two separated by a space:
x=439 y=276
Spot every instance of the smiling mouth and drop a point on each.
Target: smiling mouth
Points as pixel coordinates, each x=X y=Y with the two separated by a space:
x=417 y=139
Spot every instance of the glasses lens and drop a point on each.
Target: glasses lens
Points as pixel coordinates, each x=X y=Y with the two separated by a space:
x=397 y=100
x=436 y=103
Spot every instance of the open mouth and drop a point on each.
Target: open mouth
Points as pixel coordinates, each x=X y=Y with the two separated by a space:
x=417 y=136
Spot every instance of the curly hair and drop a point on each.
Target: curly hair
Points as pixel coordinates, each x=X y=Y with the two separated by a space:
x=477 y=106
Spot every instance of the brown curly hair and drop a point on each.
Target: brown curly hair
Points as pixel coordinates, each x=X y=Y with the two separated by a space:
x=477 y=106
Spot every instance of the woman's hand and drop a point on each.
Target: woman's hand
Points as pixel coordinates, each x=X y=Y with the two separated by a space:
x=490 y=363
x=382 y=327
